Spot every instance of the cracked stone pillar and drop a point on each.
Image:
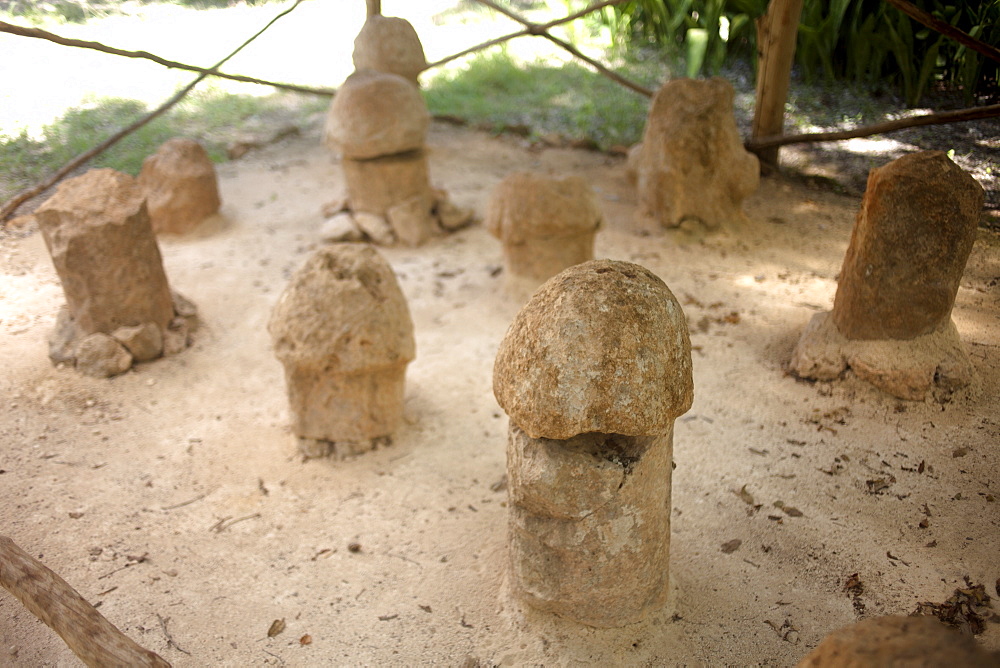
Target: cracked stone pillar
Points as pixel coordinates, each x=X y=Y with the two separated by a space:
x=119 y=307
x=343 y=332
x=545 y=224
x=593 y=371
x=891 y=320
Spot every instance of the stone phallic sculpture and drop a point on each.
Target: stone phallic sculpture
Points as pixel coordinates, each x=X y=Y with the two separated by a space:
x=119 y=307
x=389 y=44
x=180 y=185
x=891 y=320
x=378 y=122
x=343 y=332
x=692 y=164
x=592 y=372
x=895 y=642
x=545 y=224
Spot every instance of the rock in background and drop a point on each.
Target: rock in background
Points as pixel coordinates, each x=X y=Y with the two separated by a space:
x=691 y=165
x=180 y=185
x=545 y=224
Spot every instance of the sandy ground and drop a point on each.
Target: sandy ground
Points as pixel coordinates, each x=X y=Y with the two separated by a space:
x=174 y=497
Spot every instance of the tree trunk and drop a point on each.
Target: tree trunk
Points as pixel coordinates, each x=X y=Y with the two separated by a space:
x=777 y=31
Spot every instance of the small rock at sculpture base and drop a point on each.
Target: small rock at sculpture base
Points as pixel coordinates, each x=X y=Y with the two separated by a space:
x=180 y=185
x=101 y=356
x=62 y=339
x=334 y=206
x=144 y=342
x=376 y=227
x=340 y=228
x=183 y=307
x=411 y=220
x=450 y=216
x=317 y=448
x=177 y=336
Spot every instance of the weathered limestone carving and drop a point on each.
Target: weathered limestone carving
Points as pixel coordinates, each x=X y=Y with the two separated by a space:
x=376 y=114
x=915 y=642
x=891 y=319
x=692 y=164
x=545 y=224
x=592 y=372
x=180 y=185
x=389 y=44
x=343 y=332
x=378 y=122
x=98 y=233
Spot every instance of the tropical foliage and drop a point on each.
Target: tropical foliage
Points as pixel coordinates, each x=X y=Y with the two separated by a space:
x=864 y=41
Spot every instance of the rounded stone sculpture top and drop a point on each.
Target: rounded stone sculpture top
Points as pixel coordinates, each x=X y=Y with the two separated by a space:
x=376 y=114
x=180 y=185
x=527 y=206
x=601 y=347
x=389 y=44
x=343 y=309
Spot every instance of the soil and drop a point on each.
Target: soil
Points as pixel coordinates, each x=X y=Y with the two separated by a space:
x=174 y=496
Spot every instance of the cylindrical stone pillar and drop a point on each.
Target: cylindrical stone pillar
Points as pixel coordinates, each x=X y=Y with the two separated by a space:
x=98 y=233
x=908 y=249
x=592 y=372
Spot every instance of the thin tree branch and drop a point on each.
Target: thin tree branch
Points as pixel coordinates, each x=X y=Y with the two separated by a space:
x=957 y=116
x=87 y=632
x=542 y=31
x=936 y=24
x=103 y=48
x=11 y=206
x=534 y=30
x=479 y=47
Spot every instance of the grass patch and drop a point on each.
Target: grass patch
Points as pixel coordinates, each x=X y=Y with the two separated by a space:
x=567 y=99
x=211 y=117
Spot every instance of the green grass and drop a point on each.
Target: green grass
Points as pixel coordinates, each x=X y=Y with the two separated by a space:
x=213 y=118
x=569 y=99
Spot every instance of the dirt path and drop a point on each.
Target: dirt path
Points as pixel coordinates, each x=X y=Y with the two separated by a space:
x=174 y=495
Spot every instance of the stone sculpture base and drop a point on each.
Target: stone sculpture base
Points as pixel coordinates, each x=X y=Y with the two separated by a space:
x=103 y=355
x=362 y=409
x=412 y=221
x=590 y=525
x=907 y=369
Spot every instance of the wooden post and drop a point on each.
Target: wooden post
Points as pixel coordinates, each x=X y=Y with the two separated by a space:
x=777 y=31
x=374 y=7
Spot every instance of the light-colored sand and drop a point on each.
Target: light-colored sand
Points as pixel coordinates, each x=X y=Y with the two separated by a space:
x=174 y=495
